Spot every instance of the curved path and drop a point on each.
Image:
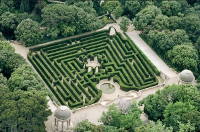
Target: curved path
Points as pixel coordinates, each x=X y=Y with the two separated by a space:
x=93 y=113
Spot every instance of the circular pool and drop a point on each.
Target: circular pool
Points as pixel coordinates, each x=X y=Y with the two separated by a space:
x=107 y=88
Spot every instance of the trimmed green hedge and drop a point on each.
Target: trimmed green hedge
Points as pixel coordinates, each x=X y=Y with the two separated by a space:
x=61 y=65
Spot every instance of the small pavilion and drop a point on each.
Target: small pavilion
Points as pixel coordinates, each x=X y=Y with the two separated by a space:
x=186 y=77
x=62 y=119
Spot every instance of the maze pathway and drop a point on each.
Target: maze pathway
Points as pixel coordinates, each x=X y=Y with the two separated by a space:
x=62 y=66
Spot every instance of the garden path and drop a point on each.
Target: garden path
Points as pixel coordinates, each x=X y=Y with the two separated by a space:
x=93 y=113
x=153 y=57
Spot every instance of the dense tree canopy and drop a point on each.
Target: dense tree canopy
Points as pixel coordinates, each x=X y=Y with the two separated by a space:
x=28 y=31
x=111 y=6
x=23 y=111
x=170 y=8
x=174 y=111
x=145 y=17
x=124 y=24
x=184 y=56
x=23 y=78
x=172 y=104
x=122 y=117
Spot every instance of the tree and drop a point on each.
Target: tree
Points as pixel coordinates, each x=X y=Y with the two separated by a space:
x=180 y=36
x=23 y=111
x=170 y=8
x=160 y=41
x=175 y=22
x=87 y=6
x=3 y=80
x=124 y=24
x=132 y=7
x=5 y=45
x=6 y=6
x=67 y=30
x=71 y=16
x=25 y=7
x=191 y=24
x=184 y=56
x=160 y=22
x=118 y=12
x=54 y=14
x=174 y=111
x=9 y=61
x=128 y=118
x=8 y=21
x=160 y=127
x=145 y=17
x=193 y=117
x=28 y=32
x=186 y=127
x=110 y=6
x=155 y=104
x=154 y=127
x=84 y=126
x=24 y=78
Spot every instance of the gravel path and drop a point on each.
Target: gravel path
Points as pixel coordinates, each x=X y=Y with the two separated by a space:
x=93 y=113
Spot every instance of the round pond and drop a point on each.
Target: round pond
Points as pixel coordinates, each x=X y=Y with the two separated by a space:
x=107 y=88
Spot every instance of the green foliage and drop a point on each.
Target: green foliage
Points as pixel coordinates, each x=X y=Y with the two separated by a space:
x=156 y=104
x=118 y=12
x=23 y=78
x=153 y=127
x=128 y=117
x=50 y=62
x=87 y=6
x=110 y=6
x=186 y=127
x=76 y=19
x=8 y=21
x=67 y=30
x=52 y=32
x=192 y=116
x=23 y=111
x=174 y=111
x=83 y=126
x=124 y=24
x=160 y=41
x=28 y=32
x=132 y=7
x=192 y=26
x=160 y=22
x=5 y=45
x=3 y=80
x=180 y=36
x=9 y=61
x=175 y=22
x=173 y=104
x=25 y=7
x=110 y=129
x=170 y=8
x=6 y=6
x=146 y=16
x=184 y=56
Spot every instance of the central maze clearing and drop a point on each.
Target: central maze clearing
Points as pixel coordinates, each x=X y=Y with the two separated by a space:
x=63 y=67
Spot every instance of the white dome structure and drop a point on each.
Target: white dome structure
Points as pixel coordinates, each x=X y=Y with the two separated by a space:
x=62 y=113
x=186 y=76
x=62 y=119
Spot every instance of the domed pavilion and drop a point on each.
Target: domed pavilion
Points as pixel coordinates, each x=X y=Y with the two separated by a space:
x=186 y=77
x=62 y=121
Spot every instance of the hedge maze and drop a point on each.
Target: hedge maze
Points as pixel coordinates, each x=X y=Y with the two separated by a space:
x=62 y=67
